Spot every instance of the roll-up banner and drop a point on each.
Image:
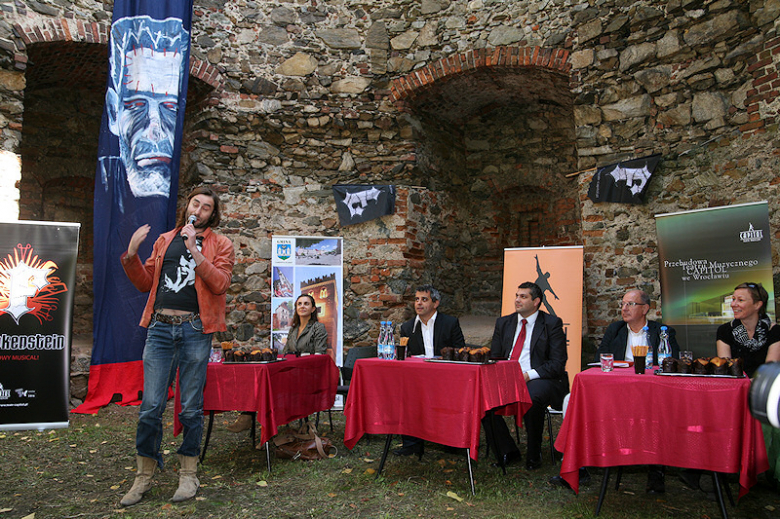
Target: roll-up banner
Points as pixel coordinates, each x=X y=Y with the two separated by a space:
x=307 y=265
x=558 y=272
x=703 y=255
x=37 y=277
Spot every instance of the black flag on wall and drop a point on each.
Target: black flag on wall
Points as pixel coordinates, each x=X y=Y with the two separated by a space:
x=625 y=182
x=357 y=204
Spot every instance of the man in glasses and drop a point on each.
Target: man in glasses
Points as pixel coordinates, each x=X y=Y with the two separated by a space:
x=622 y=335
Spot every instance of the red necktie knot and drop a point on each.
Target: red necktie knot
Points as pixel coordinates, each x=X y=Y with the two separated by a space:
x=518 y=349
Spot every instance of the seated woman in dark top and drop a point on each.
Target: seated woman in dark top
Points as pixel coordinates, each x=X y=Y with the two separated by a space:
x=307 y=334
x=751 y=335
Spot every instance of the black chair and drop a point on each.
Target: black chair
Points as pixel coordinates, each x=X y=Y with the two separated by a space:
x=362 y=352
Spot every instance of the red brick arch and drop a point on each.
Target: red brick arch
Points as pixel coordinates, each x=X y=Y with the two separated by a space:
x=69 y=30
x=538 y=57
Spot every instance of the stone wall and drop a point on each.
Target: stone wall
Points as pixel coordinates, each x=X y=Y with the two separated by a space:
x=477 y=110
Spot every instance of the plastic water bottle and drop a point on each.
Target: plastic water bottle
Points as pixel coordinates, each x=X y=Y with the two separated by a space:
x=380 y=340
x=649 y=358
x=664 y=350
x=389 y=342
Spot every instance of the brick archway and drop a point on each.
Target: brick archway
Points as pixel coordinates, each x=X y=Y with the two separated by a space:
x=79 y=31
x=554 y=60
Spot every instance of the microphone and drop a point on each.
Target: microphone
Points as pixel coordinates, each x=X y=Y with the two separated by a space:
x=190 y=220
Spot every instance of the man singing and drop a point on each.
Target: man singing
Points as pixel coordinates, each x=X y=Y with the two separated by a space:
x=186 y=276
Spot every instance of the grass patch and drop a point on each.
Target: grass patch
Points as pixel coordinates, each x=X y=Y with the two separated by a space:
x=83 y=471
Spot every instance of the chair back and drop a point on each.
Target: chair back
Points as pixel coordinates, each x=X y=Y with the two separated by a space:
x=362 y=352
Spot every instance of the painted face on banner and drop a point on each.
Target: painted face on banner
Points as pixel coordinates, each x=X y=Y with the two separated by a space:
x=147 y=120
x=144 y=102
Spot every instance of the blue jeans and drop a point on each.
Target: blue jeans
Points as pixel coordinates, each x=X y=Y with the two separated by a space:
x=170 y=347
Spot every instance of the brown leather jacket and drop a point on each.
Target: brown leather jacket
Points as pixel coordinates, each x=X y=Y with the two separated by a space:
x=212 y=277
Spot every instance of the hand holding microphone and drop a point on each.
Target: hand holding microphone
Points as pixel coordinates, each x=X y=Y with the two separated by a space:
x=190 y=221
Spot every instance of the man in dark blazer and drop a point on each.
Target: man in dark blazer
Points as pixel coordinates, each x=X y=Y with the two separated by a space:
x=446 y=329
x=633 y=310
x=539 y=345
x=428 y=333
x=619 y=338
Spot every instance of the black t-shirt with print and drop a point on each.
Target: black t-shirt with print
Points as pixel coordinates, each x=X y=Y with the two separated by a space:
x=176 y=289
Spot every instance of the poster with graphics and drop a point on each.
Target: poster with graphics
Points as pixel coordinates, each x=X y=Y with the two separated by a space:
x=558 y=272
x=37 y=277
x=702 y=256
x=307 y=265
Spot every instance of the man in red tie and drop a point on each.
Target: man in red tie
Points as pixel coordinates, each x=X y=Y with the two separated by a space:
x=536 y=340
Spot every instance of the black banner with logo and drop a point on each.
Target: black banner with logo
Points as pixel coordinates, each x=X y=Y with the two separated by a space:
x=37 y=277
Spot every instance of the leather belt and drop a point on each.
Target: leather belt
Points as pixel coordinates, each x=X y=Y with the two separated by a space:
x=176 y=319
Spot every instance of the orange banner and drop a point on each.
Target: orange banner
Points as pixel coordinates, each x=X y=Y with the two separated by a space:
x=558 y=271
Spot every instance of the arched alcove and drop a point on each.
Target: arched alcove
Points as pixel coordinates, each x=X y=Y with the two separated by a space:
x=495 y=136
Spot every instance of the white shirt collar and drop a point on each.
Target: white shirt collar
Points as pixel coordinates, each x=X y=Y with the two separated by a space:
x=430 y=321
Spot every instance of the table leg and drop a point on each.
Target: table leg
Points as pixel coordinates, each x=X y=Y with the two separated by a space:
x=471 y=473
x=208 y=435
x=727 y=488
x=384 y=454
x=254 y=423
x=719 y=493
x=604 y=483
x=619 y=477
x=268 y=455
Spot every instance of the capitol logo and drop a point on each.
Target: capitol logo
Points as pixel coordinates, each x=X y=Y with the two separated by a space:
x=751 y=235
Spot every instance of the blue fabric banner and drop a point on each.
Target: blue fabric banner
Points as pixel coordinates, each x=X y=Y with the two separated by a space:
x=136 y=181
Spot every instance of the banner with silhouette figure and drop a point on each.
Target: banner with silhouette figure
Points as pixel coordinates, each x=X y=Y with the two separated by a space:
x=558 y=272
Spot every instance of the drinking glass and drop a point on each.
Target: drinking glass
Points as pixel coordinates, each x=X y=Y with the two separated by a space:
x=686 y=355
x=607 y=361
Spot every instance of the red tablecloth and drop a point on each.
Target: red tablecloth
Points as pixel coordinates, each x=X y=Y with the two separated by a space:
x=621 y=418
x=439 y=402
x=279 y=392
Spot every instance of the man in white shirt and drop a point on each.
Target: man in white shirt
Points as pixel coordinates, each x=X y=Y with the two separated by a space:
x=536 y=340
x=618 y=339
x=428 y=333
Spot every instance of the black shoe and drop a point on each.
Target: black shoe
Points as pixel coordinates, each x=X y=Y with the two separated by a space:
x=409 y=450
x=510 y=458
x=691 y=478
x=655 y=482
x=558 y=481
x=533 y=462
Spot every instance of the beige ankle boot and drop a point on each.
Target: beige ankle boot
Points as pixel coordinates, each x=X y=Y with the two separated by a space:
x=143 y=481
x=188 y=482
x=242 y=423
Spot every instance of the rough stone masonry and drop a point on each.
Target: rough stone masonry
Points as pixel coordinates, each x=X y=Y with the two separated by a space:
x=481 y=112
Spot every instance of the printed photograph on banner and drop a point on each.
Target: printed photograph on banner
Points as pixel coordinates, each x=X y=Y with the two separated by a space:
x=278 y=341
x=558 y=272
x=702 y=256
x=283 y=250
x=324 y=285
x=281 y=314
x=282 y=280
x=318 y=251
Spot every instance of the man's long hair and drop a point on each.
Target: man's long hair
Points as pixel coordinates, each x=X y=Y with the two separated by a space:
x=215 y=218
